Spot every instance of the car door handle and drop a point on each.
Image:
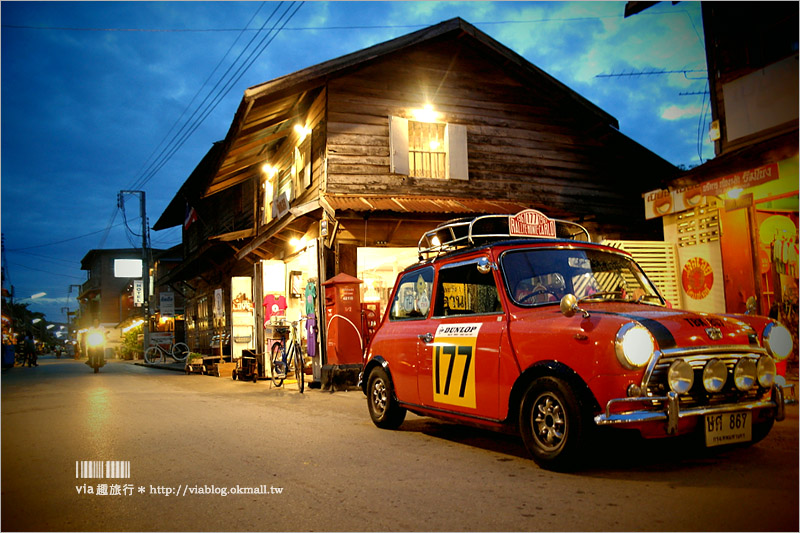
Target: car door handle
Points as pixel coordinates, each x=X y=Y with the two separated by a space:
x=427 y=338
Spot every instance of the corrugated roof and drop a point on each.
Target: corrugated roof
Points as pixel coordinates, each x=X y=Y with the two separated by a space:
x=420 y=204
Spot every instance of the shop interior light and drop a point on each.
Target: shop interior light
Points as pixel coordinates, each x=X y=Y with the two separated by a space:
x=298 y=243
x=435 y=144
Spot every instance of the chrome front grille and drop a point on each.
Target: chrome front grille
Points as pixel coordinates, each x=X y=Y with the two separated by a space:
x=655 y=383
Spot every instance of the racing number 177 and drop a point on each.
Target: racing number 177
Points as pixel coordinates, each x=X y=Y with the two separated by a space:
x=446 y=356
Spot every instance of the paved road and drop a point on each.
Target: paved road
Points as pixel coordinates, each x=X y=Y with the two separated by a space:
x=324 y=466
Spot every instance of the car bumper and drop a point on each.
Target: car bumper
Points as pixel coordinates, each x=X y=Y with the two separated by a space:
x=671 y=414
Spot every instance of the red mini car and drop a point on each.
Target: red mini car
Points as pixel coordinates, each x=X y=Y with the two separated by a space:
x=519 y=321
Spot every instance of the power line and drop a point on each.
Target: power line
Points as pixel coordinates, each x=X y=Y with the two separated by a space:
x=176 y=142
x=298 y=28
x=59 y=242
x=148 y=163
x=650 y=73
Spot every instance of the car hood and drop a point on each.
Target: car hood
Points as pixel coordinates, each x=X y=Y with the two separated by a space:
x=675 y=328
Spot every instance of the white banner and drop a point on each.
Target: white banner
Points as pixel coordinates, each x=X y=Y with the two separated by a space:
x=167 y=304
x=242 y=314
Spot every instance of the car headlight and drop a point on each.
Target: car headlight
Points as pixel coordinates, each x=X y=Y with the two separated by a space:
x=745 y=374
x=715 y=374
x=634 y=345
x=680 y=376
x=766 y=371
x=778 y=341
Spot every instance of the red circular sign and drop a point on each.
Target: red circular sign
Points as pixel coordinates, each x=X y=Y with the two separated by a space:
x=697 y=278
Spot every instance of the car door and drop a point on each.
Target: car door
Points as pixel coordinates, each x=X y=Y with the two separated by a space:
x=397 y=341
x=459 y=351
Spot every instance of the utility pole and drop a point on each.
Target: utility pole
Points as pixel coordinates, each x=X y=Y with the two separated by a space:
x=145 y=269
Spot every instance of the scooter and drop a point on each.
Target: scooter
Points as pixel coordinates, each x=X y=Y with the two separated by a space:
x=95 y=342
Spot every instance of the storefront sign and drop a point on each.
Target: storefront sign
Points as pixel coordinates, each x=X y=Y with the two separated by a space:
x=281 y=206
x=662 y=202
x=697 y=278
x=219 y=309
x=531 y=223
x=242 y=316
x=138 y=292
x=666 y=201
x=166 y=304
x=741 y=180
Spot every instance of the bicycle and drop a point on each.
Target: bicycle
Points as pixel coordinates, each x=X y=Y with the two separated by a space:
x=285 y=355
x=157 y=353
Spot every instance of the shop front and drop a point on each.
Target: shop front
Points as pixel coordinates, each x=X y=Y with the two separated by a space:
x=737 y=240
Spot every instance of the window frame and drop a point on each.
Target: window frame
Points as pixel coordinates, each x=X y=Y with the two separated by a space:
x=455 y=141
x=471 y=263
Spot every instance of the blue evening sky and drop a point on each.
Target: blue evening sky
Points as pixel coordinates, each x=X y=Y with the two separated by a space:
x=100 y=97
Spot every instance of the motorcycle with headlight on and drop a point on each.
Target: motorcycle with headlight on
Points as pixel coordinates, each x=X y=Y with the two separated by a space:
x=96 y=344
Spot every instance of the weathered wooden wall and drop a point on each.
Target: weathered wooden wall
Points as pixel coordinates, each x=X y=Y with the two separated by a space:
x=525 y=141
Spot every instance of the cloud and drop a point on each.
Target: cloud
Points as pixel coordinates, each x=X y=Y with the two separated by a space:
x=675 y=112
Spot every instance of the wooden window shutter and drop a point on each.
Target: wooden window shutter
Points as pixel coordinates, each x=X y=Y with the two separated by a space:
x=457 y=151
x=398 y=145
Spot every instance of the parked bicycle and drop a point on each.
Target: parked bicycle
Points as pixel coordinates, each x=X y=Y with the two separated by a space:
x=157 y=353
x=287 y=355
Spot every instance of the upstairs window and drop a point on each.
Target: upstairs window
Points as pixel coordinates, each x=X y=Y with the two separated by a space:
x=428 y=149
x=427 y=156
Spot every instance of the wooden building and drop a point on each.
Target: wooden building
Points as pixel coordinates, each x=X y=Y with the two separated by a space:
x=340 y=168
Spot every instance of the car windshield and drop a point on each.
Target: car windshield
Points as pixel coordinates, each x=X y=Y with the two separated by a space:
x=540 y=276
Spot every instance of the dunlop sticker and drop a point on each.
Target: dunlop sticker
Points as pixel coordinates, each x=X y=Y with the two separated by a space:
x=454 y=364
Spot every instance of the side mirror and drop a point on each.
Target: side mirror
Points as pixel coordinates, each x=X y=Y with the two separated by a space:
x=569 y=306
x=484 y=265
x=750 y=306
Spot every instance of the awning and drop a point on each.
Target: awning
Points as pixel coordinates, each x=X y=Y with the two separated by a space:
x=420 y=204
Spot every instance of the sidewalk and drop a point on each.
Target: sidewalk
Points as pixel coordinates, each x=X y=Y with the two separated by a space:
x=178 y=367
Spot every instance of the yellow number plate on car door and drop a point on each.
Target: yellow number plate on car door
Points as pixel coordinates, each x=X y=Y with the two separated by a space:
x=454 y=364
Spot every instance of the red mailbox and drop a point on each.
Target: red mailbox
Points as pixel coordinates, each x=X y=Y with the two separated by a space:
x=345 y=344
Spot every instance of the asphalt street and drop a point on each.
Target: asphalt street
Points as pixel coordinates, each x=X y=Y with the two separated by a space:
x=213 y=454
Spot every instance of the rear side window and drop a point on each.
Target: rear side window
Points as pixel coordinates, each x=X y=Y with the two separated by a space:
x=413 y=297
x=462 y=290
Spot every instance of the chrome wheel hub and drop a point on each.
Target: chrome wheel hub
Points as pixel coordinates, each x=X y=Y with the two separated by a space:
x=549 y=422
x=379 y=396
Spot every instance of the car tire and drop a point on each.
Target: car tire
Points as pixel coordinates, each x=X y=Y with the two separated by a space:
x=383 y=408
x=552 y=424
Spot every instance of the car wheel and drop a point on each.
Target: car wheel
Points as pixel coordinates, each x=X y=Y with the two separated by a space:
x=552 y=425
x=383 y=407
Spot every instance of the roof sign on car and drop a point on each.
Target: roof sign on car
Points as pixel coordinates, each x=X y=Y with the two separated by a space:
x=531 y=223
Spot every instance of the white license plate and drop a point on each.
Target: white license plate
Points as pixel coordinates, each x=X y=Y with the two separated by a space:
x=729 y=428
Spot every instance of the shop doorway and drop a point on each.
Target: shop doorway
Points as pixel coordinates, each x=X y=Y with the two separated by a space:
x=737 y=259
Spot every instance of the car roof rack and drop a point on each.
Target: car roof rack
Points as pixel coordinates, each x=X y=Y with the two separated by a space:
x=473 y=231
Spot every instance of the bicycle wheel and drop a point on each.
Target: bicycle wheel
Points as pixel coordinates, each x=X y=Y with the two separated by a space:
x=152 y=354
x=298 y=368
x=180 y=352
x=277 y=365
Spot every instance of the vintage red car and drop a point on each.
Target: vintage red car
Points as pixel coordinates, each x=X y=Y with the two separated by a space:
x=518 y=321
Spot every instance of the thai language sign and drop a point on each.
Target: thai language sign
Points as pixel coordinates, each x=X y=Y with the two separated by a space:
x=662 y=202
